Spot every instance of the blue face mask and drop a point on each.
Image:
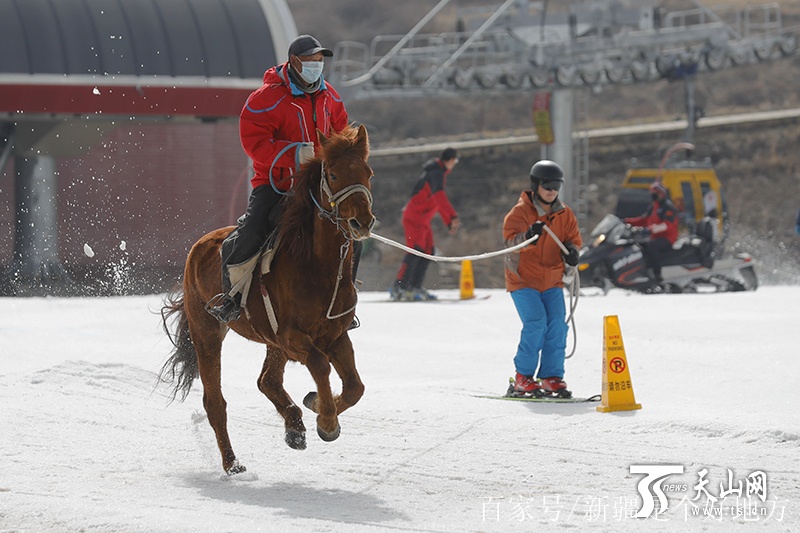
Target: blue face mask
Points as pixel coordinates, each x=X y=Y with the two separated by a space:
x=312 y=70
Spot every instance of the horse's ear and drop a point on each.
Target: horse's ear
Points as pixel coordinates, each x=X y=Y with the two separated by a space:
x=321 y=138
x=361 y=136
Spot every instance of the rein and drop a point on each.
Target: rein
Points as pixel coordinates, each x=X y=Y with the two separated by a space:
x=334 y=200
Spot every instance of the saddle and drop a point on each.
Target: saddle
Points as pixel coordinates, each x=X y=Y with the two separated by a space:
x=242 y=274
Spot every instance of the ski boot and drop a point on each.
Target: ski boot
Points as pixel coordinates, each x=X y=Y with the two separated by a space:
x=555 y=387
x=423 y=294
x=395 y=292
x=399 y=294
x=524 y=387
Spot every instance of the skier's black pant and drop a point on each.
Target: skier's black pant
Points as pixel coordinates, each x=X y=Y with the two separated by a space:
x=414 y=272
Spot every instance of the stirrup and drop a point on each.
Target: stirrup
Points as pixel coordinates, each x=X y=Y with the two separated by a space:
x=354 y=324
x=224 y=308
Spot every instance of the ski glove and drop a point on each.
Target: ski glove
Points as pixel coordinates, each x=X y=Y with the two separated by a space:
x=535 y=229
x=305 y=153
x=572 y=257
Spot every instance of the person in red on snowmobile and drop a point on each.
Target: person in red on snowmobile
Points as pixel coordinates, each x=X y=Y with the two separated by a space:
x=427 y=199
x=278 y=129
x=661 y=219
x=534 y=280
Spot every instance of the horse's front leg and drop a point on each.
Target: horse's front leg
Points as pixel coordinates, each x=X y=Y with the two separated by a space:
x=270 y=382
x=342 y=358
x=322 y=401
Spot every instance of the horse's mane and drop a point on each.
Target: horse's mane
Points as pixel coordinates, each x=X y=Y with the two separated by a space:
x=297 y=222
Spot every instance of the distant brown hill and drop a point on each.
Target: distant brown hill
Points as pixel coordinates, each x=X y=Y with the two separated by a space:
x=759 y=165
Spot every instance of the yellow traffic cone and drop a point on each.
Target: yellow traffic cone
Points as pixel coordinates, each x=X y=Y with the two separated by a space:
x=466 y=282
x=617 y=386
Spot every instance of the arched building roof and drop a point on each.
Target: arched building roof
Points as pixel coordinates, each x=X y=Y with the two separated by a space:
x=138 y=57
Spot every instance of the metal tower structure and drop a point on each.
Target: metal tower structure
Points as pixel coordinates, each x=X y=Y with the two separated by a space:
x=529 y=46
x=523 y=45
x=580 y=159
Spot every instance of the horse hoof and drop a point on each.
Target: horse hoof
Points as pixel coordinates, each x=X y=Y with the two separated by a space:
x=329 y=437
x=236 y=468
x=308 y=401
x=295 y=439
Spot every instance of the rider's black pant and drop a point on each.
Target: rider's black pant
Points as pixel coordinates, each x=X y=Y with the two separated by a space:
x=654 y=250
x=253 y=227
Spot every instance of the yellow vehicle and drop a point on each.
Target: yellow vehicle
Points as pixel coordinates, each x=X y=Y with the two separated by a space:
x=693 y=187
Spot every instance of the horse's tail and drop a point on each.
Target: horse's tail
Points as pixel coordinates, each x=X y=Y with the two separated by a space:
x=181 y=368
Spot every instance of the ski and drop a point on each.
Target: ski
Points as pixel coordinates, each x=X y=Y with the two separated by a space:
x=440 y=300
x=454 y=300
x=545 y=399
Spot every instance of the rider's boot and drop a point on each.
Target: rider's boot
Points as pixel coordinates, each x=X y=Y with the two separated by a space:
x=240 y=248
x=224 y=306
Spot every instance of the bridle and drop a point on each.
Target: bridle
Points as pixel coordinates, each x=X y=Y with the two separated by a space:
x=334 y=200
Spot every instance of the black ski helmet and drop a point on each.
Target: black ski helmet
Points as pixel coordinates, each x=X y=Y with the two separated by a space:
x=546 y=171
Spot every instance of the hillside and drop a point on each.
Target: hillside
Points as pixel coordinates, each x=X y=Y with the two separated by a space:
x=758 y=165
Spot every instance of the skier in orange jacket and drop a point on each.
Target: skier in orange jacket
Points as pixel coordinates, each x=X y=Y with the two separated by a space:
x=534 y=279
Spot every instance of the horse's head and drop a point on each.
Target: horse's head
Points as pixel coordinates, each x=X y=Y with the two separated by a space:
x=346 y=179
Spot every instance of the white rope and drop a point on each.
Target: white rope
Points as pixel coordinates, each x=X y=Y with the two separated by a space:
x=486 y=255
x=573 y=285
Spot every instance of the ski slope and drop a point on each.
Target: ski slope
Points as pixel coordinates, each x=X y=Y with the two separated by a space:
x=86 y=444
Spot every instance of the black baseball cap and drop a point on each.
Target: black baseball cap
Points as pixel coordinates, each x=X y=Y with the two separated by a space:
x=306 y=45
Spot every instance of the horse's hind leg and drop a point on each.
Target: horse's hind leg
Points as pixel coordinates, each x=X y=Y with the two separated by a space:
x=207 y=336
x=270 y=382
x=342 y=358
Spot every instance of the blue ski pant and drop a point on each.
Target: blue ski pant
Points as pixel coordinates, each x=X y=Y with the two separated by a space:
x=544 y=330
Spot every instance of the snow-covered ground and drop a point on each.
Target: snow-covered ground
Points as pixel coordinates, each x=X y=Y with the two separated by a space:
x=87 y=445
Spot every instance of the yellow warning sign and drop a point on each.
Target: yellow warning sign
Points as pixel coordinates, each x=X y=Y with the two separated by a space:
x=617 y=387
x=466 y=282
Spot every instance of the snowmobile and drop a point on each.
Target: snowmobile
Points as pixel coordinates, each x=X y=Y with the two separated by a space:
x=615 y=258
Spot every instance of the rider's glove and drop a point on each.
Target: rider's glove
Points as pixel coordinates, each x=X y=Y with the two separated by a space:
x=305 y=153
x=572 y=257
x=535 y=229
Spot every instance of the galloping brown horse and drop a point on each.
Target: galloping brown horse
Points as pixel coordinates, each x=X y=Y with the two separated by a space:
x=310 y=288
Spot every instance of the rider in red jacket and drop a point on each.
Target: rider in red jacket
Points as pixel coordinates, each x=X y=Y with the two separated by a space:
x=278 y=128
x=278 y=124
x=661 y=219
x=427 y=199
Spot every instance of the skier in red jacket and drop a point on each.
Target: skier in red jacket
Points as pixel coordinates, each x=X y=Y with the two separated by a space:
x=278 y=128
x=661 y=219
x=427 y=199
